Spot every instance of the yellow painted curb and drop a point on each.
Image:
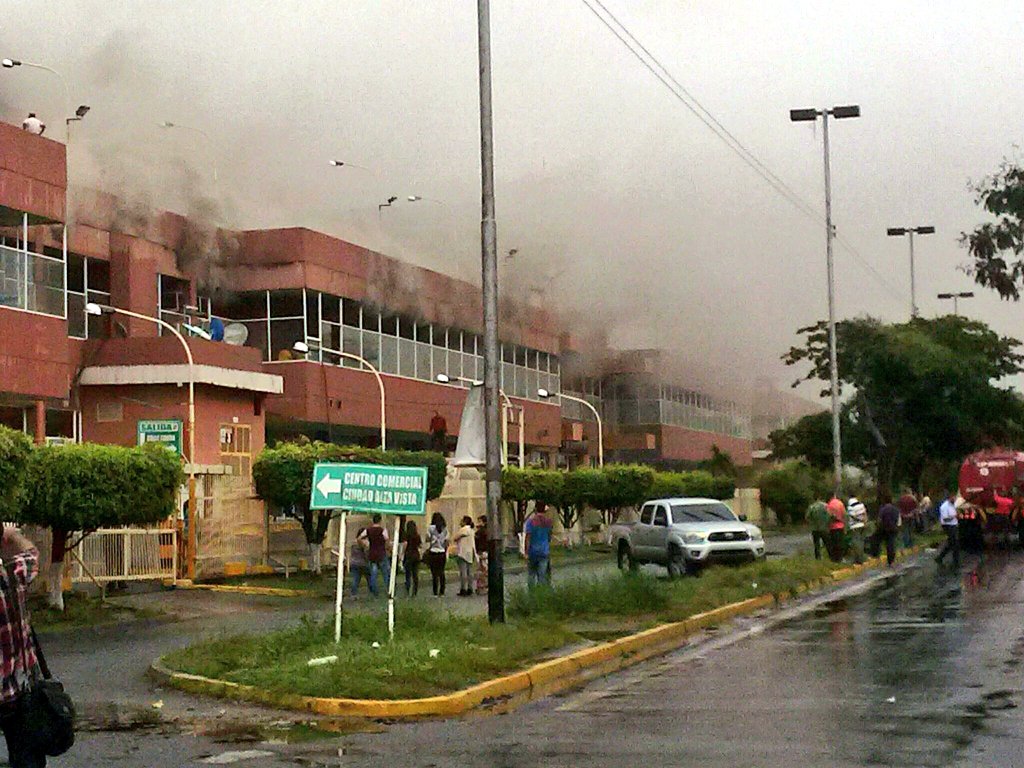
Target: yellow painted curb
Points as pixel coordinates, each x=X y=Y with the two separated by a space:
x=243 y=590
x=545 y=676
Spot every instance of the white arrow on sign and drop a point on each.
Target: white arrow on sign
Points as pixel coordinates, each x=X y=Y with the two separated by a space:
x=329 y=485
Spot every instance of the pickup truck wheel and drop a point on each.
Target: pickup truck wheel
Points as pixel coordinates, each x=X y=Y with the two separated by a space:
x=677 y=566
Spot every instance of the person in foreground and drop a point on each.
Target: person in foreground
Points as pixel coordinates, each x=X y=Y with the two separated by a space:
x=538 y=547
x=19 y=666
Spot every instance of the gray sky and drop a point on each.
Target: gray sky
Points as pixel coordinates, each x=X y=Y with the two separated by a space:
x=620 y=203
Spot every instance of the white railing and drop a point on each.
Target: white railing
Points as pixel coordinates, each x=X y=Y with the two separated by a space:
x=31 y=281
x=126 y=554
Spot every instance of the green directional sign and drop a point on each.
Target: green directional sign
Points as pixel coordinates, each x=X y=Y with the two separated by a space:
x=167 y=432
x=369 y=488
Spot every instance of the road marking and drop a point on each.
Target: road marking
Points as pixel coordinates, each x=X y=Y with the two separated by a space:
x=226 y=758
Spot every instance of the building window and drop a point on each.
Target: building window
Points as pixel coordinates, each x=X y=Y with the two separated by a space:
x=236 y=448
x=109 y=411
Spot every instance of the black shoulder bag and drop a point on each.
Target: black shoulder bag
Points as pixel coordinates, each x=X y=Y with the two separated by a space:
x=46 y=709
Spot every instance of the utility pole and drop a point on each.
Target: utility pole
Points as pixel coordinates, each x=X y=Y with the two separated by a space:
x=489 y=256
x=802 y=115
x=910 y=232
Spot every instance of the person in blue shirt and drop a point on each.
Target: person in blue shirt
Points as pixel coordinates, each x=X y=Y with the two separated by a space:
x=538 y=547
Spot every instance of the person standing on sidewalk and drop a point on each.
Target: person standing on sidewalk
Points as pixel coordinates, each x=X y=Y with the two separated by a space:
x=857 y=519
x=481 y=555
x=437 y=552
x=411 y=543
x=20 y=667
x=818 y=518
x=950 y=525
x=377 y=552
x=836 y=529
x=908 y=514
x=465 y=555
x=889 y=525
x=538 y=547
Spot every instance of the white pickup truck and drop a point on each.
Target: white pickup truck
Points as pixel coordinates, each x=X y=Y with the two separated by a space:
x=685 y=534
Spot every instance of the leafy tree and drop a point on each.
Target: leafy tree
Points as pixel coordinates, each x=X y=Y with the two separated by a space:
x=720 y=463
x=621 y=486
x=15 y=449
x=79 y=488
x=790 y=488
x=997 y=248
x=518 y=487
x=917 y=391
x=283 y=476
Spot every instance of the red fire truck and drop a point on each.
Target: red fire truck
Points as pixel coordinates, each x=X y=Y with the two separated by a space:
x=983 y=475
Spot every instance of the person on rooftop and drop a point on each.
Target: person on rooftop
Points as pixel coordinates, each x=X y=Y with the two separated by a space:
x=33 y=124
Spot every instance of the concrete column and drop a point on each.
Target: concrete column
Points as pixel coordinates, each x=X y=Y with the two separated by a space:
x=40 y=433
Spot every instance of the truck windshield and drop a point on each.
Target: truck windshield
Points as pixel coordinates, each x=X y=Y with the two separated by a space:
x=701 y=513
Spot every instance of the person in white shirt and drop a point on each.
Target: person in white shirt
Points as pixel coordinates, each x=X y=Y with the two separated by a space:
x=856 y=519
x=949 y=522
x=33 y=124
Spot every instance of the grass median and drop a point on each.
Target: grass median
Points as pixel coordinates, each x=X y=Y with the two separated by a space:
x=435 y=652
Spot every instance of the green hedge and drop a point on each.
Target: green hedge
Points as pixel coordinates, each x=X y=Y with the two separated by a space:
x=615 y=487
x=88 y=486
x=15 y=450
x=790 y=488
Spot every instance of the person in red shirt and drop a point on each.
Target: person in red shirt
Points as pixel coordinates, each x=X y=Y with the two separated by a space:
x=836 y=529
x=908 y=516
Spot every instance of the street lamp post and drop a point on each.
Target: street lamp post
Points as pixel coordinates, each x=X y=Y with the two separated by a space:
x=509 y=407
x=910 y=232
x=303 y=349
x=956 y=299
x=804 y=115
x=102 y=309
x=600 y=429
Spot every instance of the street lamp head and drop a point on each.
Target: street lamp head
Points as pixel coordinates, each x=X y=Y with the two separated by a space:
x=851 y=110
x=414 y=198
x=93 y=309
x=543 y=394
x=301 y=347
x=444 y=378
x=336 y=163
x=82 y=111
x=392 y=199
x=944 y=296
x=925 y=230
x=10 y=63
x=803 y=115
x=967 y=295
x=896 y=231
x=166 y=124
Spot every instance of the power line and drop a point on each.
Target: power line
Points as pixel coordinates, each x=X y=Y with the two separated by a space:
x=688 y=100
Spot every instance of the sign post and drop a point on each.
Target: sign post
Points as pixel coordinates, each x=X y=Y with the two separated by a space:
x=166 y=432
x=340 y=588
x=368 y=489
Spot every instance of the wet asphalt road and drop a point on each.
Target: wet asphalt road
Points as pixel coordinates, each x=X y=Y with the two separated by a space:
x=926 y=668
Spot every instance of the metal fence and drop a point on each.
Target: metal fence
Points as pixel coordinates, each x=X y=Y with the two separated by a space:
x=126 y=554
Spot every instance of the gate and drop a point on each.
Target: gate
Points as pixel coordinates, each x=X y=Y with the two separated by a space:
x=126 y=554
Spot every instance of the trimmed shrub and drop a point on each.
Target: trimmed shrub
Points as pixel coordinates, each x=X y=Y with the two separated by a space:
x=790 y=488
x=15 y=449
